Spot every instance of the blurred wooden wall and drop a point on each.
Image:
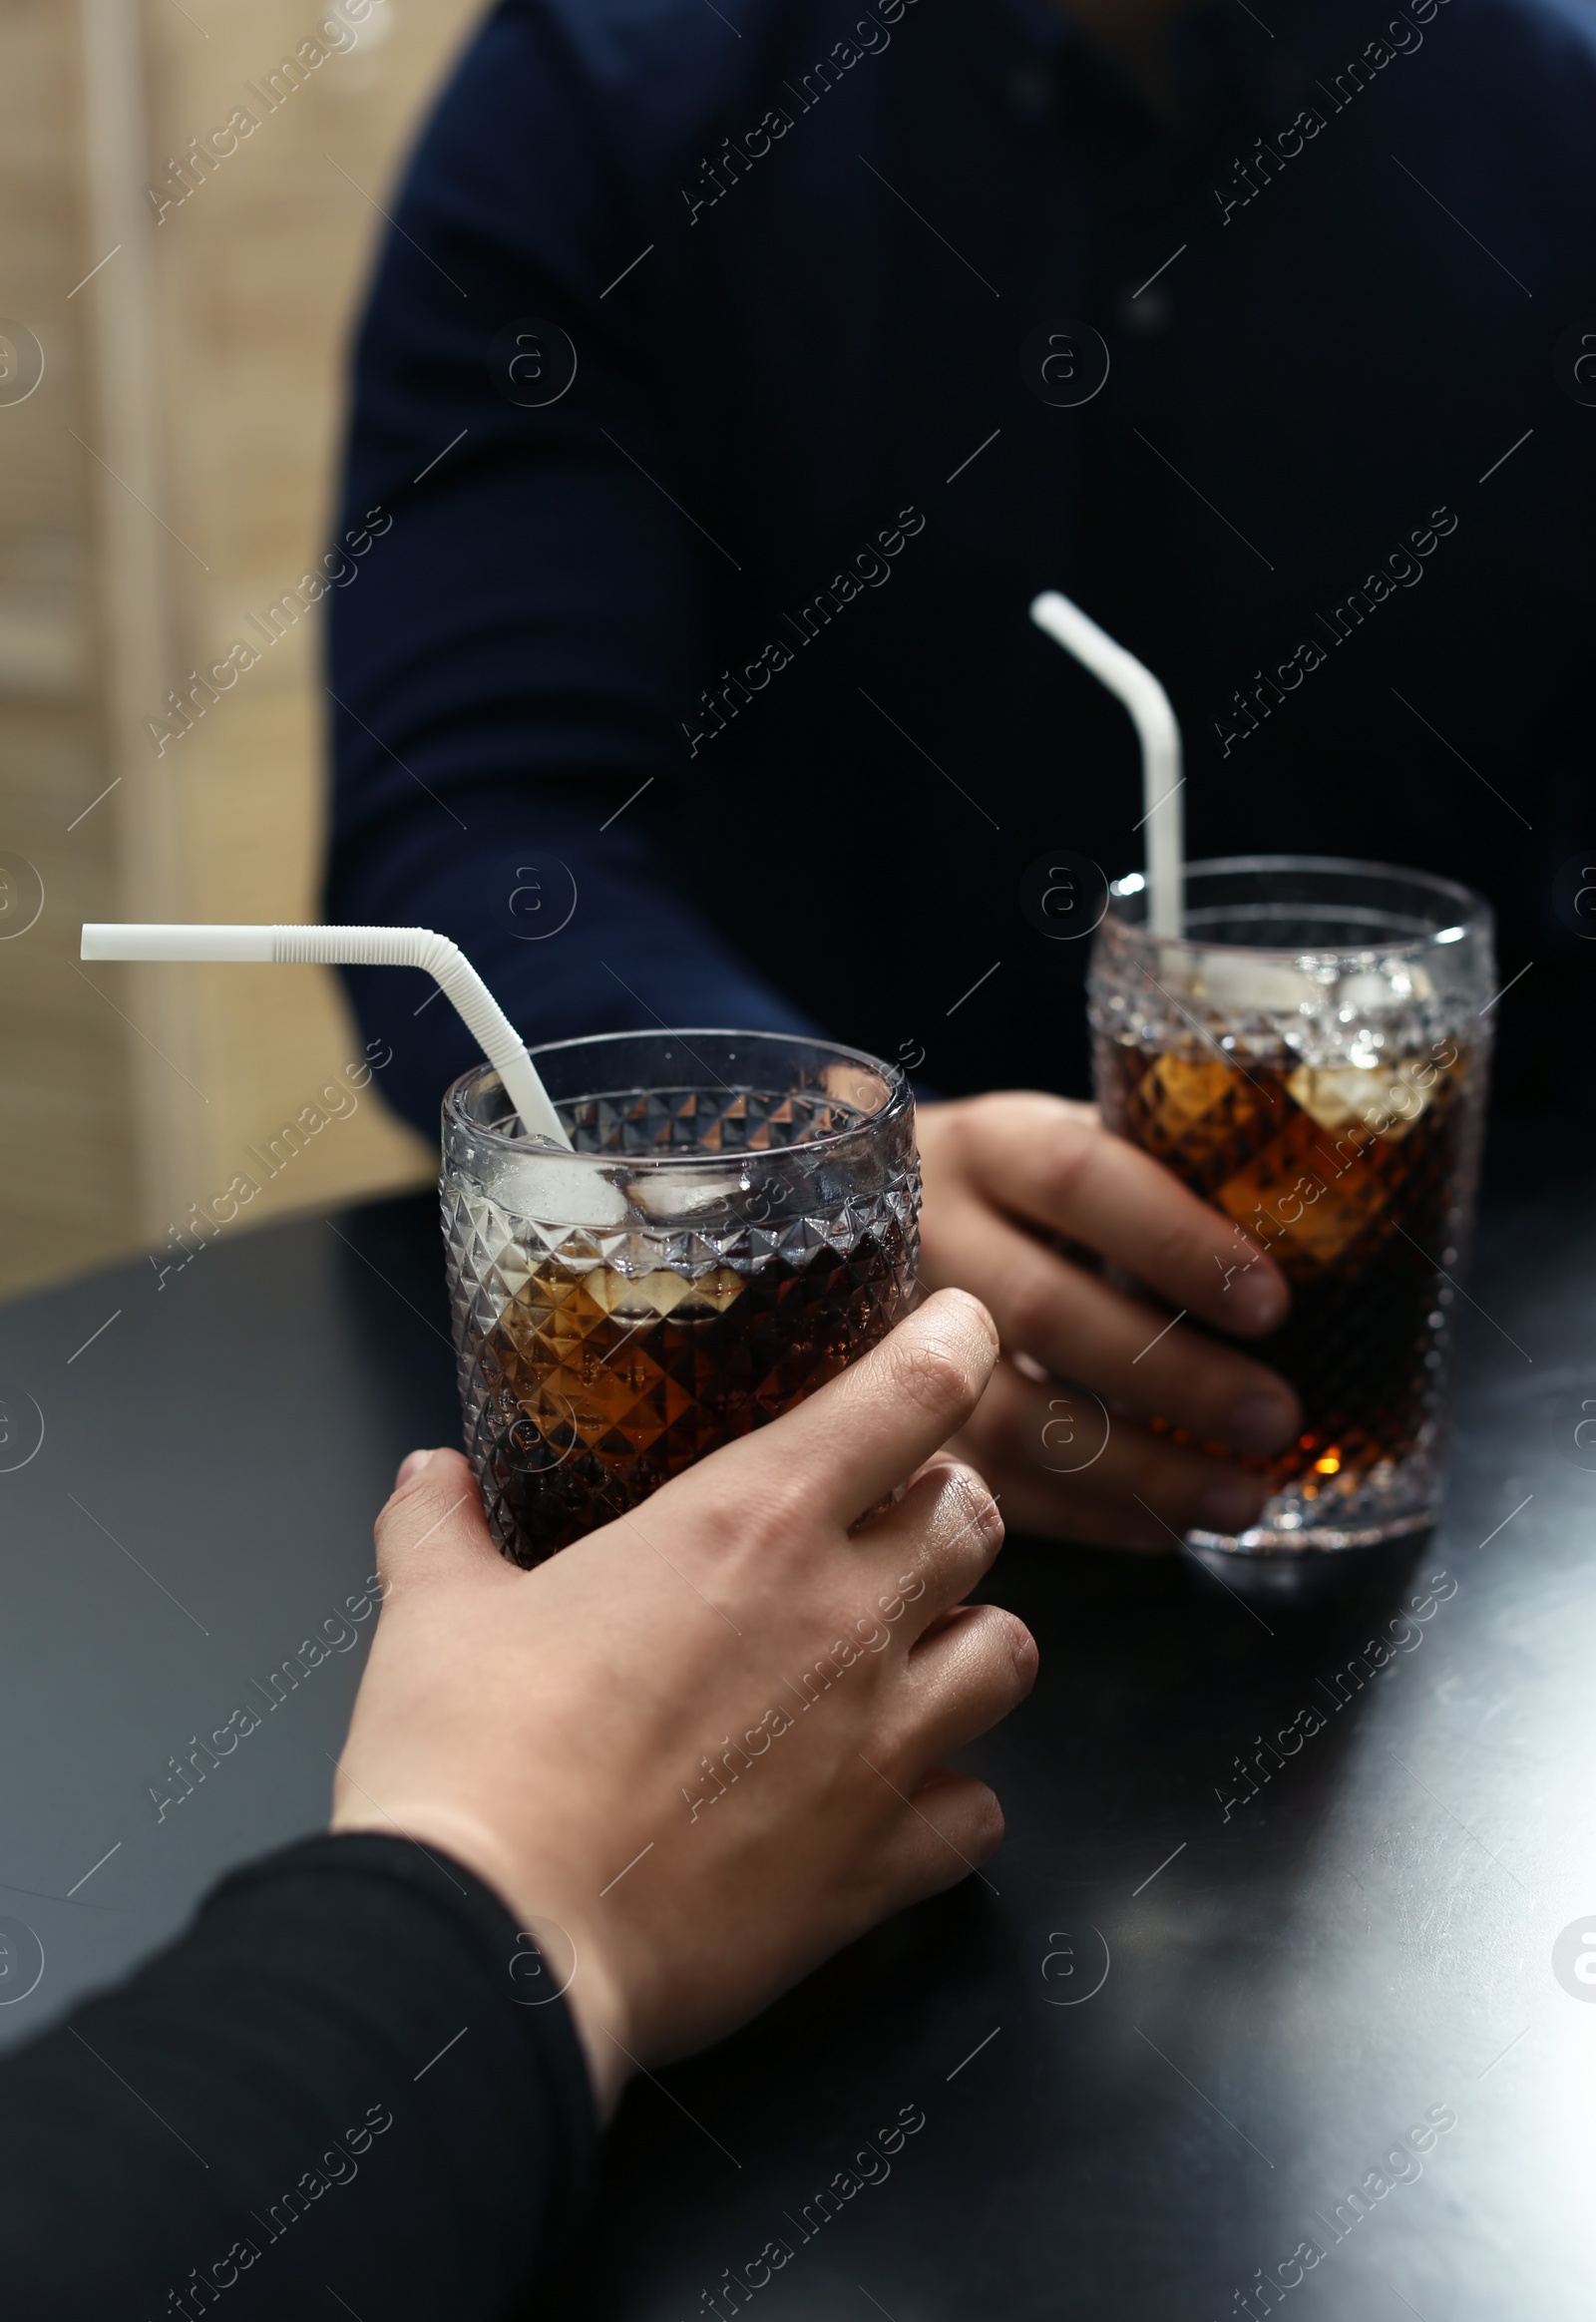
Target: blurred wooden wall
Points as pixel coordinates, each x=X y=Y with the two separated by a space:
x=170 y=474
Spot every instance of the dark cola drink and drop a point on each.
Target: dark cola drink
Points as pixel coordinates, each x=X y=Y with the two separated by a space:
x=597 y=1386
x=1308 y=1058
x=739 y=1221
x=1358 y=1212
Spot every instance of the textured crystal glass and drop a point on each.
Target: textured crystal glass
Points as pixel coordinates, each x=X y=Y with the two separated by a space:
x=1312 y=1060
x=739 y=1221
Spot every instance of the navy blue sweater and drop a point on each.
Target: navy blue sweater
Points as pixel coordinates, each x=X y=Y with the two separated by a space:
x=698 y=687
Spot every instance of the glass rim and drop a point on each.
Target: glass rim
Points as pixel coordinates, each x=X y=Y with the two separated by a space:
x=1474 y=909
x=899 y=1101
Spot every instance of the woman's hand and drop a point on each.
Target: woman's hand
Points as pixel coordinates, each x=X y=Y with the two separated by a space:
x=1004 y=1173
x=705 y=1742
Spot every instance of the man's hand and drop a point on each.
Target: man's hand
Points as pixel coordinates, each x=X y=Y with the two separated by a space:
x=1005 y=1174
x=706 y=1740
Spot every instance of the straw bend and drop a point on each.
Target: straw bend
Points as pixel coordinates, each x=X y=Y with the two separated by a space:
x=332 y=946
x=1159 y=733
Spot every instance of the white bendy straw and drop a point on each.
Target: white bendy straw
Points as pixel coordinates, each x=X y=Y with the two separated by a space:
x=1161 y=777
x=355 y=948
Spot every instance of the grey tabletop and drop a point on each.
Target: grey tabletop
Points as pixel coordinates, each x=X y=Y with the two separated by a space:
x=1276 y=1995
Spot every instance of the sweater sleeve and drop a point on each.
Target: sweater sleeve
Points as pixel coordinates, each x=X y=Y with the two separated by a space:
x=349 y=2074
x=517 y=605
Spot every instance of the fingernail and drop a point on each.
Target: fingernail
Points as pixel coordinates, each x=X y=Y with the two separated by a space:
x=1257 y=1299
x=1261 y=1422
x=1230 y=1507
x=412 y=1465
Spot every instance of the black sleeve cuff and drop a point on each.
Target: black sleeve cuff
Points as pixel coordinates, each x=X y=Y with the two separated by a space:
x=332 y=2081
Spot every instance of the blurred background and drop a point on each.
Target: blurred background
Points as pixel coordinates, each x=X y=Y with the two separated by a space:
x=189 y=195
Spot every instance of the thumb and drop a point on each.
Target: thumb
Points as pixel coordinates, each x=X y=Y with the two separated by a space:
x=433 y=1530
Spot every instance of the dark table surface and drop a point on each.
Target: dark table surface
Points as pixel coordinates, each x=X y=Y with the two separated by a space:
x=1163 y=2041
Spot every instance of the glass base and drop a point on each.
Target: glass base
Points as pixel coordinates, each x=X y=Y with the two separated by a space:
x=1392 y=1501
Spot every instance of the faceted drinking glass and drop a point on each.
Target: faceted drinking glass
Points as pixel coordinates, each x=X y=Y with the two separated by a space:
x=1311 y=1057
x=739 y=1221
